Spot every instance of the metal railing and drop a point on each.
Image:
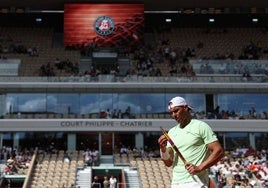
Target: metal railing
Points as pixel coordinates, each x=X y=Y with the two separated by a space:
x=209 y=78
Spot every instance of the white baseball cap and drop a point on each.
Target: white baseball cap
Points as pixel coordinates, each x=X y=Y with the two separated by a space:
x=178 y=101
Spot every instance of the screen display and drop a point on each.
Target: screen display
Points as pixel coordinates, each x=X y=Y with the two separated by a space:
x=103 y=25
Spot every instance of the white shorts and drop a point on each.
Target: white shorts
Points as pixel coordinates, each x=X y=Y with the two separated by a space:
x=188 y=185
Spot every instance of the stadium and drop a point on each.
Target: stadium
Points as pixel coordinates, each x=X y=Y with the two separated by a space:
x=85 y=88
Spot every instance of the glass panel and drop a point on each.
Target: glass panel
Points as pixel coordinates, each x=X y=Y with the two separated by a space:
x=105 y=101
x=107 y=143
x=126 y=139
x=128 y=105
x=26 y=102
x=151 y=142
x=86 y=141
x=221 y=138
x=133 y=104
x=106 y=105
x=243 y=104
x=45 y=141
x=8 y=140
x=89 y=103
x=261 y=141
x=63 y=103
x=236 y=140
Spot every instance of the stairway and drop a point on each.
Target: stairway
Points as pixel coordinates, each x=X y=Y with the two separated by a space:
x=132 y=178
x=124 y=65
x=106 y=159
x=149 y=39
x=85 y=64
x=83 y=178
x=57 y=41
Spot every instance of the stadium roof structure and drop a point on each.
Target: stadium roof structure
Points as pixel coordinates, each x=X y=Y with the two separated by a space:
x=150 y=5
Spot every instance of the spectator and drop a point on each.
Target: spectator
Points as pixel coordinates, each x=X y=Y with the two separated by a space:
x=123 y=150
x=66 y=158
x=88 y=157
x=106 y=182
x=112 y=182
x=96 y=182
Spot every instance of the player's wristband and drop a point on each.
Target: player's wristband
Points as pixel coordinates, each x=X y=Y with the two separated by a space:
x=165 y=155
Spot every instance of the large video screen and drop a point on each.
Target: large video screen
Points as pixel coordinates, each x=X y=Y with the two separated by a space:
x=103 y=25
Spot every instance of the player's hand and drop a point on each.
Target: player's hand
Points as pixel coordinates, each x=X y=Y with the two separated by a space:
x=192 y=169
x=162 y=141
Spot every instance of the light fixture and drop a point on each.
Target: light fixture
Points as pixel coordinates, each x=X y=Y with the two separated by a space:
x=255 y=20
x=168 y=20
x=38 y=20
x=211 y=20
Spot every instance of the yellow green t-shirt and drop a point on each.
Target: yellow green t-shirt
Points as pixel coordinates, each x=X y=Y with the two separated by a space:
x=191 y=142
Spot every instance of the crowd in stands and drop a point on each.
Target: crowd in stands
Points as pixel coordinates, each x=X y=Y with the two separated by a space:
x=62 y=65
x=116 y=114
x=152 y=59
x=147 y=60
x=127 y=151
x=244 y=69
x=163 y=58
x=46 y=70
x=10 y=46
x=91 y=157
x=68 y=65
x=94 y=70
x=110 y=182
x=251 y=51
x=226 y=114
x=217 y=113
x=127 y=114
x=242 y=167
x=16 y=161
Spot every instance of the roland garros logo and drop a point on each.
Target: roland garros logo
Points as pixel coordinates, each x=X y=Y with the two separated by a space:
x=104 y=25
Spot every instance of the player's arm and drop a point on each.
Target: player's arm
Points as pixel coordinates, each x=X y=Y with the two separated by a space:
x=216 y=154
x=166 y=153
x=169 y=157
